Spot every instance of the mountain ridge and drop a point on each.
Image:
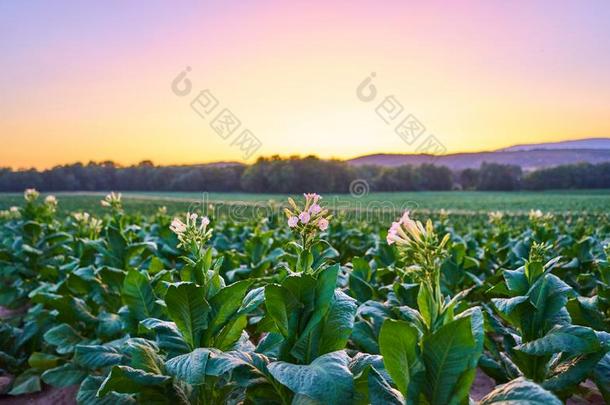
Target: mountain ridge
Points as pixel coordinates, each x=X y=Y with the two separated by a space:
x=586 y=143
x=529 y=156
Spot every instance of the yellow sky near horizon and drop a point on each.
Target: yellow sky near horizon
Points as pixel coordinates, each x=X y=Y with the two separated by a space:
x=94 y=83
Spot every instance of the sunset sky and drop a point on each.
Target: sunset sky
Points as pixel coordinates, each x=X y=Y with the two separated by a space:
x=82 y=81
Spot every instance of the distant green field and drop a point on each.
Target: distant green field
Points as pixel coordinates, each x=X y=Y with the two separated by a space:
x=518 y=202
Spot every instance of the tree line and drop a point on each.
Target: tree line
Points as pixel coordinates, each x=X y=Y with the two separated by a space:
x=295 y=174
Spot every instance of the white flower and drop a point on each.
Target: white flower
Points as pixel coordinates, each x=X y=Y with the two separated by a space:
x=112 y=200
x=177 y=226
x=496 y=216
x=81 y=217
x=190 y=233
x=30 y=194
x=50 y=200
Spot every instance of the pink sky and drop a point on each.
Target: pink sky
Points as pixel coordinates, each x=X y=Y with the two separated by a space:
x=82 y=81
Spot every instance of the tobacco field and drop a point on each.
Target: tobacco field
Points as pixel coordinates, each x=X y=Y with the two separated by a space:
x=303 y=306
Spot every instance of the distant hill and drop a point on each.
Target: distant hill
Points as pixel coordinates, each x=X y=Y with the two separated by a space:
x=589 y=143
x=529 y=157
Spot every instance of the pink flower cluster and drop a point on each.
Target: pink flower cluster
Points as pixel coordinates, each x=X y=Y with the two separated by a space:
x=312 y=215
x=405 y=230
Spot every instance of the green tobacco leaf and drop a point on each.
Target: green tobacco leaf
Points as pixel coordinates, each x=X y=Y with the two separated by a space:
x=26 y=383
x=568 y=374
x=97 y=356
x=569 y=339
x=220 y=363
x=64 y=376
x=127 y=380
x=225 y=306
x=398 y=345
x=323 y=300
x=363 y=336
x=425 y=303
x=188 y=308
x=280 y=304
x=549 y=296
x=169 y=337
x=338 y=324
x=371 y=388
x=189 y=367
x=253 y=300
x=70 y=309
x=516 y=281
x=139 y=297
x=326 y=380
x=520 y=391
x=43 y=361
x=447 y=355
x=601 y=376
x=144 y=355
x=116 y=241
x=506 y=306
x=63 y=337
x=585 y=311
x=87 y=394
x=478 y=333
x=359 y=279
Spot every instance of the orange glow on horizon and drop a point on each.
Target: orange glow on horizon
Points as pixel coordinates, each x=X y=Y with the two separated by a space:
x=95 y=83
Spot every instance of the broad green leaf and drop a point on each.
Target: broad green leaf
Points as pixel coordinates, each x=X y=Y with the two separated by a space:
x=338 y=324
x=97 y=356
x=363 y=336
x=516 y=281
x=306 y=347
x=520 y=391
x=447 y=355
x=398 y=345
x=64 y=376
x=549 y=296
x=568 y=339
x=280 y=304
x=139 y=297
x=478 y=333
x=26 y=383
x=371 y=388
x=585 y=311
x=63 y=337
x=225 y=305
x=253 y=300
x=143 y=355
x=43 y=361
x=601 y=376
x=572 y=372
x=168 y=336
x=220 y=363
x=70 y=309
x=506 y=306
x=87 y=394
x=426 y=305
x=127 y=380
x=326 y=380
x=189 y=367
x=188 y=308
